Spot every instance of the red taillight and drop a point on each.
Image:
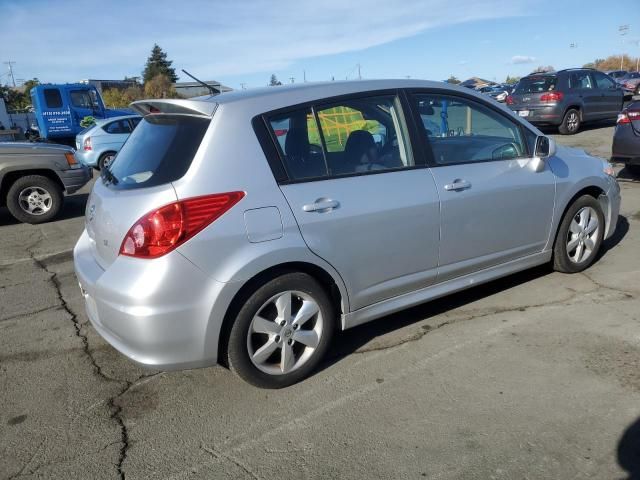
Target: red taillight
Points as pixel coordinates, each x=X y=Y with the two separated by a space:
x=551 y=97
x=87 y=144
x=280 y=132
x=629 y=85
x=164 y=229
x=509 y=100
x=628 y=117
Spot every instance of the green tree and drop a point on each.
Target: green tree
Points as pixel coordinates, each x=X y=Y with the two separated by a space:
x=453 y=79
x=160 y=86
x=274 y=81
x=157 y=64
x=29 y=84
x=512 y=80
x=116 y=97
x=15 y=99
x=543 y=69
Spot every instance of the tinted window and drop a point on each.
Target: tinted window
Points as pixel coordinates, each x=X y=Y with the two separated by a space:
x=363 y=135
x=300 y=145
x=52 y=98
x=134 y=122
x=580 y=80
x=536 y=84
x=83 y=99
x=603 y=82
x=462 y=131
x=121 y=126
x=159 y=150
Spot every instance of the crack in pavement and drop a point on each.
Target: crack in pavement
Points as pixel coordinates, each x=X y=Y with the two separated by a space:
x=113 y=402
x=28 y=314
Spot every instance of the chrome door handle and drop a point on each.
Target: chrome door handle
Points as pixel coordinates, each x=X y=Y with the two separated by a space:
x=321 y=205
x=457 y=185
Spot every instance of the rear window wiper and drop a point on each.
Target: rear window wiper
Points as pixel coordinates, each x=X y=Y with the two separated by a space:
x=108 y=176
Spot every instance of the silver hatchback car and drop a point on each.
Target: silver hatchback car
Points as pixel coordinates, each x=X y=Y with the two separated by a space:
x=245 y=228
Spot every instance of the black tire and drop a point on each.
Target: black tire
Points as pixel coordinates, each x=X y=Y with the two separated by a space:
x=633 y=169
x=237 y=350
x=103 y=158
x=38 y=183
x=561 y=259
x=570 y=122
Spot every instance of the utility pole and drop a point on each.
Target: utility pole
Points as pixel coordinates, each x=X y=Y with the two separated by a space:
x=623 y=30
x=359 y=76
x=292 y=79
x=304 y=76
x=242 y=85
x=11 y=63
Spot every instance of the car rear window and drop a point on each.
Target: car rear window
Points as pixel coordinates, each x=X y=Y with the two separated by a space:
x=536 y=84
x=160 y=150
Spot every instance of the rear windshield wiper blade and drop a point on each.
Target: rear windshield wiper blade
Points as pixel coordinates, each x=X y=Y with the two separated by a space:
x=108 y=176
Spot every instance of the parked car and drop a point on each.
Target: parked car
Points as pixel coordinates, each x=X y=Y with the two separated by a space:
x=615 y=74
x=630 y=83
x=207 y=240
x=98 y=145
x=34 y=178
x=626 y=138
x=498 y=93
x=567 y=98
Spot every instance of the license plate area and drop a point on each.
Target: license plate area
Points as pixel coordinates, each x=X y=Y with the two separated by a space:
x=523 y=113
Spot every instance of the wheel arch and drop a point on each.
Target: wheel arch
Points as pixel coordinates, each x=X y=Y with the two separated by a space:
x=592 y=190
x=10 y=177
x=329 y=283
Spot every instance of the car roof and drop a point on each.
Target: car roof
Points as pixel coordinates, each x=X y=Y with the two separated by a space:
x=256 y=101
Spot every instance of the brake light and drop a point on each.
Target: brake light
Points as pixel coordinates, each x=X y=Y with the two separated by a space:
x=629 y=85
x=280 y=132
x=628 y=117
x=551 y=97
x=509 y=100
x=86 y=146
x=161 y=231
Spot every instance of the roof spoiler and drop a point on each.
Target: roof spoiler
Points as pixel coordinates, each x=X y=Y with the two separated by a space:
x=185 y=107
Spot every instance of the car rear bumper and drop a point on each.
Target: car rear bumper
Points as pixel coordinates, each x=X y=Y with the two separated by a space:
x=163 y=313
x=626 y=145
x=75 y=179
x=543 y=115
x=89 y=158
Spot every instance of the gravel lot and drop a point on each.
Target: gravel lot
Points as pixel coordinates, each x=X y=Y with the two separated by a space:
x=533 y=376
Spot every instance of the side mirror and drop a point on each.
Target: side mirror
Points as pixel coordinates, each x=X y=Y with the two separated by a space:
x=545 y=147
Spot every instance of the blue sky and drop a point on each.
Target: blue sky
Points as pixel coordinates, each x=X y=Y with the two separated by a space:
x=246 y=41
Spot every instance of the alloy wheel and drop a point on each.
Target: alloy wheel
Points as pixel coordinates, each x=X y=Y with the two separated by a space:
x=35 y=200
x=284 y=332
x=583 y=235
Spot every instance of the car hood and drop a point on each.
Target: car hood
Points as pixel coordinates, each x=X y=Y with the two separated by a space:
x=32 y=148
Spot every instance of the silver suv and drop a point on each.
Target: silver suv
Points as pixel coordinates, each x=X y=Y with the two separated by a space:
x=246 y=228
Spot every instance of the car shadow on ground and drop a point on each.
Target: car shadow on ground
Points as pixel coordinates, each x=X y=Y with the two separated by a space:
x=629 y=451
x=585 y=127
x=625 y=175
x=350 y=341
x=73 y=207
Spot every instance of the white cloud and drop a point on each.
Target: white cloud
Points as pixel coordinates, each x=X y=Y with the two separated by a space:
x=62 y=41
x=518 y=59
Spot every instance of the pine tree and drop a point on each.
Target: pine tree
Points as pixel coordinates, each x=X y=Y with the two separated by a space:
x=274 y=81
x=157 y=64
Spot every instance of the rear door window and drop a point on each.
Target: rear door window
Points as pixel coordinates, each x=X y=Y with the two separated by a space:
x=299 y=141
x=160 y=150
x=52 y=98
x=580 y=80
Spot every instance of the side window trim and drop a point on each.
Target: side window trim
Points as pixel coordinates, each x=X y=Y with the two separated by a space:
x=424 y=140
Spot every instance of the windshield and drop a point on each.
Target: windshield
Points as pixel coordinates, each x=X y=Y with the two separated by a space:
x=536 y=84
x=159 y=151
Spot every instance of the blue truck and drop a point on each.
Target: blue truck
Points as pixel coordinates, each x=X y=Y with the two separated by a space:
x=60 y=109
